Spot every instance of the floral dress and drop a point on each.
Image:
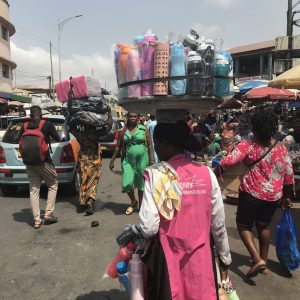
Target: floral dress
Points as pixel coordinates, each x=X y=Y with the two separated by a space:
x=265 y=179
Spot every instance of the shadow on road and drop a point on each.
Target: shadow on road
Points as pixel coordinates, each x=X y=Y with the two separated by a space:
x=23 y=216
x=104 y=295
x=239 y=260
x=117 y=208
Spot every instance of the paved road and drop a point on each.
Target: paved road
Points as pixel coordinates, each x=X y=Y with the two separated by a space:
x=66 y=260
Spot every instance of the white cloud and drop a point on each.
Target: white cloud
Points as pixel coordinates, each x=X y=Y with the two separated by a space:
x=36 y=60
x=223 y=3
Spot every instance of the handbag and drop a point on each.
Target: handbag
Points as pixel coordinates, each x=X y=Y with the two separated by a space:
x=232 y=179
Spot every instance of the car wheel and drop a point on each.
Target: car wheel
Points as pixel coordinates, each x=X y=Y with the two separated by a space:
x=8 y=190
x=73 y=188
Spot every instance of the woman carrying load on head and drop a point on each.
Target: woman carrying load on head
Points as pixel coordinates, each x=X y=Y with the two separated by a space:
x=135 y=146
x=270 y=177
x=182 y=206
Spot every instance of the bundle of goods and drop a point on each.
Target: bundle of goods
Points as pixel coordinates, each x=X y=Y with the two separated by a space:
x=89 y=111
x=86 y=107
x=153 y=68
x=83 y=86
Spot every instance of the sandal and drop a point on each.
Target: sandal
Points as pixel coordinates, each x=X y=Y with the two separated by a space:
x=37 y=225
x=131 y=209
x=255 y=269
x=90 y=208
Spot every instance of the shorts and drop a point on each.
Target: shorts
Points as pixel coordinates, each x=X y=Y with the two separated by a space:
x=251 y=209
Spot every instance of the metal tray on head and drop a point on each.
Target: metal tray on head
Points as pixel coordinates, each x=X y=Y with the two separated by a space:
x=150 y=104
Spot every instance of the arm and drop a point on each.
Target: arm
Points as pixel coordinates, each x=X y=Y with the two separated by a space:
x=150 y=146
x=288 y=181
x=116 y=152
x=149 y=215
x=236 y=156
x=218 y=226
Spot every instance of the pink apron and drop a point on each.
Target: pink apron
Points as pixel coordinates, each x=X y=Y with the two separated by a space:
x=186 y=239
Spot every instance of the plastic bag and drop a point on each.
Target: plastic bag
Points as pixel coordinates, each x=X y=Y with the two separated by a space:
x=90 y=111
x=286 y=242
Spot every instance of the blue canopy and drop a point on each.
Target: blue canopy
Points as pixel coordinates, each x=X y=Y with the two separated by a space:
x=249 y=85
x=291 y=104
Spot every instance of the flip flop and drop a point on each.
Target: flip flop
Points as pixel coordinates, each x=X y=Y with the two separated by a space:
x=89 y=210
x=255 y=269
x=37 y=225
x=131 y=209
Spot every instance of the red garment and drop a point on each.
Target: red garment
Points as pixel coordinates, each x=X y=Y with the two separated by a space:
x=265 y=179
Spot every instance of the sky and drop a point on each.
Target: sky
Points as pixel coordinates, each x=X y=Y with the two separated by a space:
x=87 y=42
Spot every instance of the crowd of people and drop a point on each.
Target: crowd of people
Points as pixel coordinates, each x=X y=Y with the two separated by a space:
x=179 y=198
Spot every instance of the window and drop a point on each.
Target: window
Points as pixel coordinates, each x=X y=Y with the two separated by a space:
x=4 y=33
x=5 y=71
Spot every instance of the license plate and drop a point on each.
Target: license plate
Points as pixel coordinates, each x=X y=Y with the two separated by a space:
x=103 y=147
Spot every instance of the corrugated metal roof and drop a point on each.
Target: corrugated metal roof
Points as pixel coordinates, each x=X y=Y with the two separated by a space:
x=253 y=47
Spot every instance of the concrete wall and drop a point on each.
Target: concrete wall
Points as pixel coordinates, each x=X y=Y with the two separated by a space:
x=4 y=9
x=5 y=83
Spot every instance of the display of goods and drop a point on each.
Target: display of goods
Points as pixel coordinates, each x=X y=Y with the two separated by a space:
x=178 y=68
x=83 y=86
x=205 y=70
x=161 y=68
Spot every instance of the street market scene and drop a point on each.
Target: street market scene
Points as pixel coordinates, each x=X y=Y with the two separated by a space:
x=150 y=162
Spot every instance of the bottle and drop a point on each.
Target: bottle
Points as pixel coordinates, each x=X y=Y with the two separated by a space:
x=122 y=268
x=124 y=254
x=178 y=68
x=221 y=68
x=161 y=67
x=123 y=58
x=207 y=51
x=133 y=73
x=196 y=66
x=146 y=50
x=136 y=278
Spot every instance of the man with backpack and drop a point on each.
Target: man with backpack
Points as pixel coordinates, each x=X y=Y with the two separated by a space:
x=34 y=148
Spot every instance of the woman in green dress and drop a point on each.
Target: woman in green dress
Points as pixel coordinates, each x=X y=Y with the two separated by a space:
x=135 y=146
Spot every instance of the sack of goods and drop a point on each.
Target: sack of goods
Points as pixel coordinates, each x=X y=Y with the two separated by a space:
x=89 y=111
x=83 y=86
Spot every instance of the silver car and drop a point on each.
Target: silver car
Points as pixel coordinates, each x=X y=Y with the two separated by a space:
x=64 y=156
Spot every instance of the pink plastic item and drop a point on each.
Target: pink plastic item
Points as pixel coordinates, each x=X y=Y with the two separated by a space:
x=134 y=73
x=147 y=57
x=62 y=90
x=136 y=278
x=124 y=254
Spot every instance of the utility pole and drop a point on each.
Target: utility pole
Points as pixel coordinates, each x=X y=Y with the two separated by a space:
x=51 y=83
x=289 y=33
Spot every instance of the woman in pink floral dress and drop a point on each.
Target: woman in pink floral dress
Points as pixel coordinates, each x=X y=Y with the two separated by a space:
x=269 y=179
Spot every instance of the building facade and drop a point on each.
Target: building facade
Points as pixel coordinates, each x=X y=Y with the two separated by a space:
x=7 y=66
x=254 y=61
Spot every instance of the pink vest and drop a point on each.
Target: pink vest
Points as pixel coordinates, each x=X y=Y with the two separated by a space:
x=186 y=238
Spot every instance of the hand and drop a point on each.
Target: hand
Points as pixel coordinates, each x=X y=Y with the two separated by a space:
x=286 y=203
x=111 y=165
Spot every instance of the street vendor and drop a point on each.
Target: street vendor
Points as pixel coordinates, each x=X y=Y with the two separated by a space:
x=179 y=196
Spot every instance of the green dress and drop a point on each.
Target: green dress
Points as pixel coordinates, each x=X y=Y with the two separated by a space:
x=136 y=159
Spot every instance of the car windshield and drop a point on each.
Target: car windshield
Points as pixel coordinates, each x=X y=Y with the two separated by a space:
x=13 y=132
